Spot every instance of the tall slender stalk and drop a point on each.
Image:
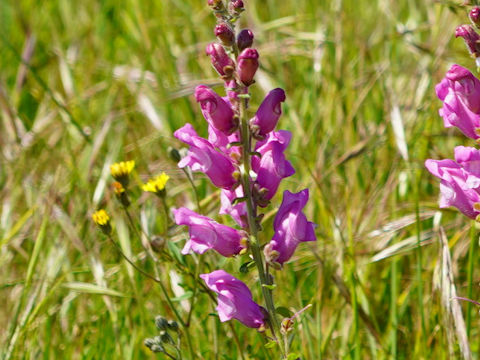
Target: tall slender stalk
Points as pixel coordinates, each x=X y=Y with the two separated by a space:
x=252 y=224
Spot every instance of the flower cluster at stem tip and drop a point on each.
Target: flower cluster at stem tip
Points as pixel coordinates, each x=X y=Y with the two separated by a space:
x=245 y=158
x=460 y=93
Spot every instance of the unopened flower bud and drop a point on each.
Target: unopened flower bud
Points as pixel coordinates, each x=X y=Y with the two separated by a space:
x=472 y=39
x=225 y=34
x=474 y=16
x=215 y=3
x=247 y=65
x=174 y=154
x=161 y=323
x=166 y=338
x=173 y=325
x=244 y=39
x=121 y=194
x=220 y=59
x=154 y=344
x=236 y=6
x=157 y=243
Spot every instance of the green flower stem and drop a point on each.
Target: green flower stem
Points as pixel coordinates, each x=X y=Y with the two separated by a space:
x=471 y=261
x=254 y=244
x=195 y=192
x=149 y=252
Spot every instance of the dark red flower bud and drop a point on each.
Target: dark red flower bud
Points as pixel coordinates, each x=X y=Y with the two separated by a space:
x=244 y=39
x=247 y=65
x=236 y=6
x=214 y=3
x=220 y=59
x=225 y=34
x=472 y=39
x=474 y=16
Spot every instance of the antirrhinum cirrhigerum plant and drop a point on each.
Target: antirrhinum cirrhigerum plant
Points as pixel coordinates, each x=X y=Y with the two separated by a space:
x=244 y=157
x=460 y=178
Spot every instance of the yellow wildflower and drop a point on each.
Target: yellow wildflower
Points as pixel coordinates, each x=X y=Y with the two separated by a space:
x=157 y=184
x=121 y=171
x=102 y=219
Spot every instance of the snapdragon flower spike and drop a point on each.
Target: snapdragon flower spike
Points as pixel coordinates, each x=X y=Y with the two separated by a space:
x=234 y=299
x=268 y=113
x=237 y=211
x=471 y=38
x=291 y=228
x=272 y=167
x=220 y=60
x=460 y=93
x=247 y=65
x=460 y=180
x=203 y=157
x=206 y=234
x=215 y=110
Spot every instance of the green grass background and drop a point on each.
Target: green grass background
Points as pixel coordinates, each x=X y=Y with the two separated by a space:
x=104 y=81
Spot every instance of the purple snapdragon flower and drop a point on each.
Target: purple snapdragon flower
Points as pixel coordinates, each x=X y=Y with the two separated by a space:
x=234 y=299
x=291 y=228
x=460 y=93
x=215 y=109
x=272 y=167
x=206 y=234
x=268 y=112
x=460 y=180
x=203 y=157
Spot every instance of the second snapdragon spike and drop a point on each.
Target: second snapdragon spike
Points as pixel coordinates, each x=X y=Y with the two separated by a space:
x=234 y=300
x=460 y=180
x=460 y=93
x=203 y=157
x=206 y=234
x=291 y=228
